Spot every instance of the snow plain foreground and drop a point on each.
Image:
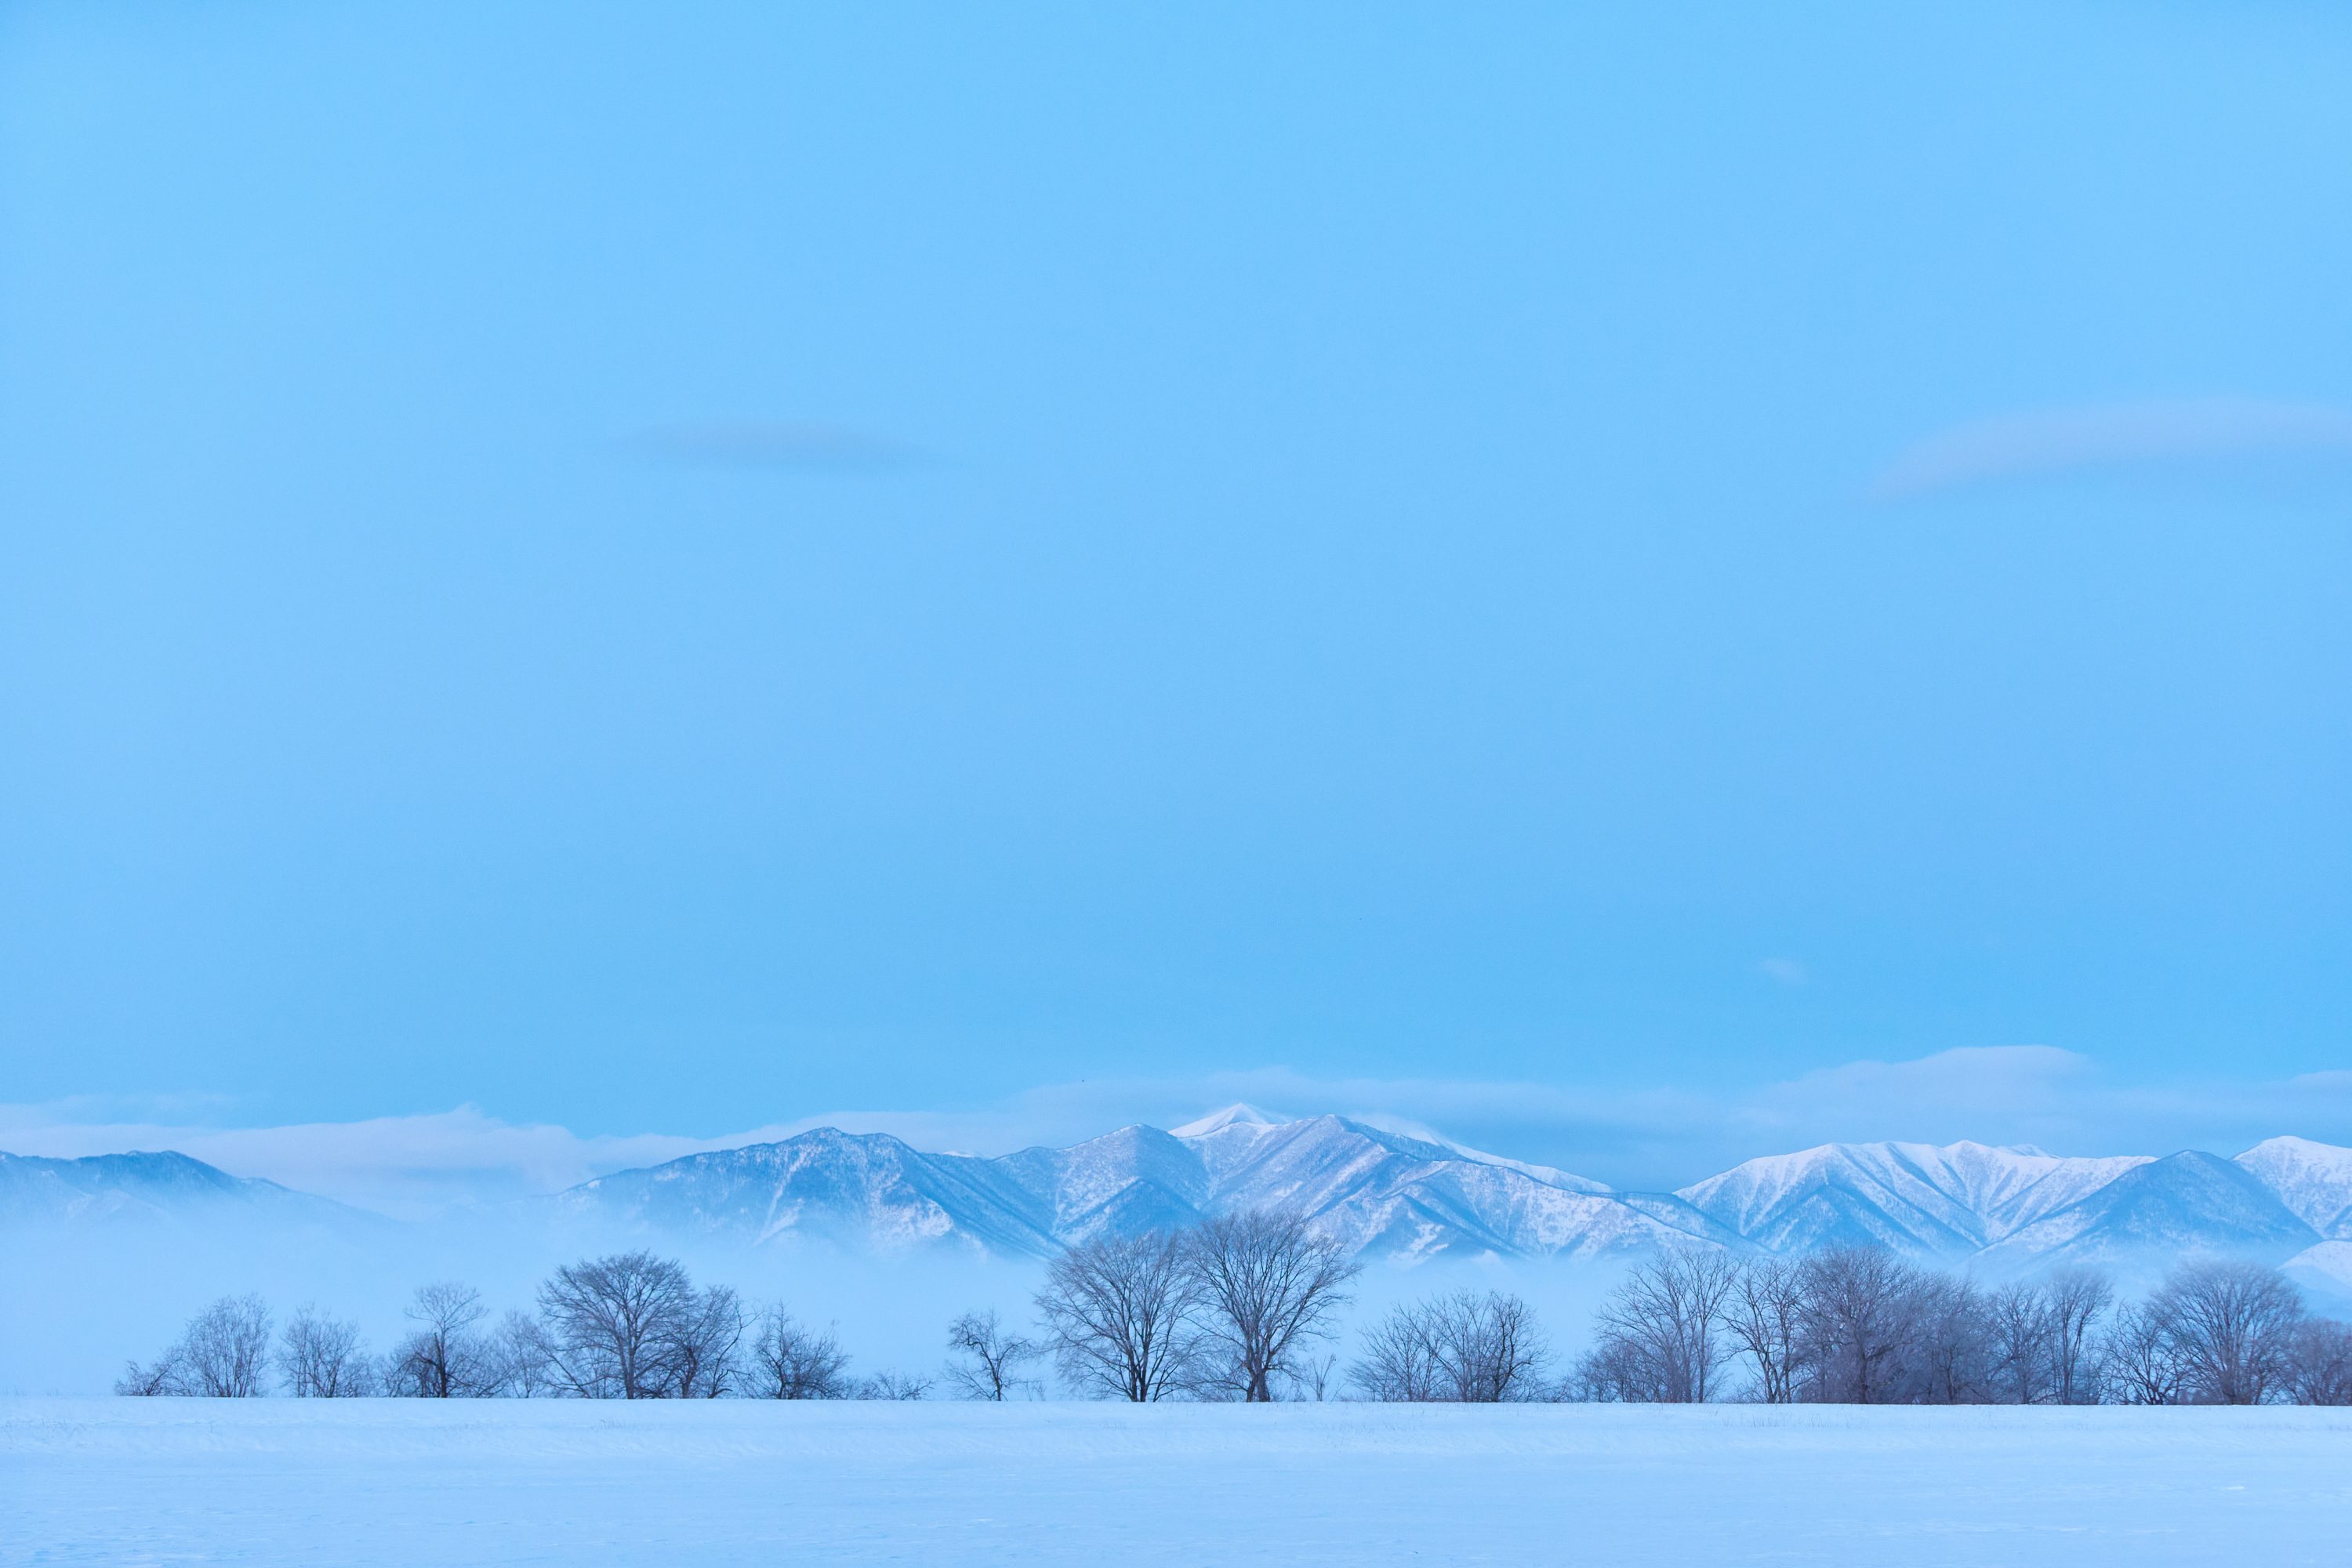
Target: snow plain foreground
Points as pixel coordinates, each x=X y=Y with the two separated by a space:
x=368 y=1481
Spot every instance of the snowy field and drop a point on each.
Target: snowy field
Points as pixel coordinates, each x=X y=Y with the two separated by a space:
x=281 y=1481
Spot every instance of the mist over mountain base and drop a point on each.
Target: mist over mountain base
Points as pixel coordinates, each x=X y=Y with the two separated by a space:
x=886 y=1243
x=83 y=1303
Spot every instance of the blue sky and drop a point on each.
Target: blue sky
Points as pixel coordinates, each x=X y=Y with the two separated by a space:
x=685 y=570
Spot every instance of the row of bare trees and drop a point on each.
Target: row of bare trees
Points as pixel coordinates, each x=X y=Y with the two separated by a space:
x=628 y=1326
x=1242 y=1307
x=1233 y=1308
x=1236 y=1308
x=224 y=1353
x=1463 y=1348
x=2228 y=1335
x=1861 y=1326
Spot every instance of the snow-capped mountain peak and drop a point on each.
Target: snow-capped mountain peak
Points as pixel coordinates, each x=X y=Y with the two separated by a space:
x=143 y=1188
x=2176 y=1206
x=1940 y=1201
x=2313 y=1180
x=1237 y=1115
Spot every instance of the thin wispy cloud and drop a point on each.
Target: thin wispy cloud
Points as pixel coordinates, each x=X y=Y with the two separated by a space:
x=805 y=446
x=2116 y=436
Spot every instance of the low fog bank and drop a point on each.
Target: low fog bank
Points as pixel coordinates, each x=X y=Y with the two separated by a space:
x=80 y=1304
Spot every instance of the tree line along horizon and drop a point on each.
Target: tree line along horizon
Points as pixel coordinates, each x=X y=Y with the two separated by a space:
x=1246 y=1307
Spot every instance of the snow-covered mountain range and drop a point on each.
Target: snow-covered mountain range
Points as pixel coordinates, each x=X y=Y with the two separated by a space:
x=2018 y=1209
x=165 y=1188
x=2287 y=1200
x=1379 y=1191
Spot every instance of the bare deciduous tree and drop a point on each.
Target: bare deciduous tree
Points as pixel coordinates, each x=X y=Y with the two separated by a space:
x=2078 y=1299
x=525 y=1366
x=2017 y=1320
x=1858 y=1309
x=2232 y=1327
x=1121 y=1311
x=1462 y=1348
x=161 y=1378
x=1764 y=1318
x=1267 y=1283
x=2140 y=1361
x=1950 y=1343
x=2319 y=1368
x=790 y=1362
x=707 y=1359
x=443 y=1357
x=1310 y=1376
x=1399 y=1364
x=222 y=1353
x=988 y=1360
x=1613 y=1373
x=619 y=1327
x=1663 y=1330
x=1488 y=1348
x=894 y=1386
x=227 y=1353
x=321 y=1358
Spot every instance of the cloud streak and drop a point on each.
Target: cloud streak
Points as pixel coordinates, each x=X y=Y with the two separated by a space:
x=2121 y=436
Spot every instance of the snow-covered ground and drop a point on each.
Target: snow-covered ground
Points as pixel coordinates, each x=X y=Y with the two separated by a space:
x=283 y=1481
